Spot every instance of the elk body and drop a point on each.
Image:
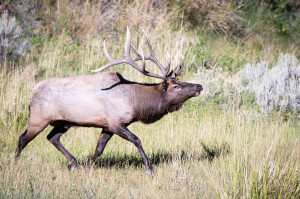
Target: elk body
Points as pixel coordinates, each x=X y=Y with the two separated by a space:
x=105 y=100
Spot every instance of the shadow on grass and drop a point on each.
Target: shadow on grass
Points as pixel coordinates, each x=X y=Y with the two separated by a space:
x=159 y=157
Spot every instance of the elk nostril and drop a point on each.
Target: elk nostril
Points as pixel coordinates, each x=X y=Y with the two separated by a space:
x=200 y=87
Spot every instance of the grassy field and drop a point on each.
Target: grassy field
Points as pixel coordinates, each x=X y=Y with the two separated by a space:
x=212 y=148
x=201 y=151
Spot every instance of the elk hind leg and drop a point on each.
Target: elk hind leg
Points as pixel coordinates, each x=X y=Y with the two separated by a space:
x=54 y=138
x=102 y=141
x=30 y=133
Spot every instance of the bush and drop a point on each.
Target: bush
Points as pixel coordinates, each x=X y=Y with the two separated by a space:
x=218 y=16
x=221 y=88
x=273 y=17
x=284 y=15
x=277 y=88
x=12 y=45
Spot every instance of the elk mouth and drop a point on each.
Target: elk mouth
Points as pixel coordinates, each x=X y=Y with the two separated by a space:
x=195 y=93
x=197 y=90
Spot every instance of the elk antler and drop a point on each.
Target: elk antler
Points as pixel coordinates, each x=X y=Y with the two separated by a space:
x=128 y=59
x=140 y=57
x=164 y=70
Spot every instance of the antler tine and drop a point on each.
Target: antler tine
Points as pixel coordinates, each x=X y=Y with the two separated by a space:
x=153 y=58
x=178 y=70
x=144 y=63
x=169 y=61
x=106 y=52
x=138 y=56
x=128 y=44
x=110 y=59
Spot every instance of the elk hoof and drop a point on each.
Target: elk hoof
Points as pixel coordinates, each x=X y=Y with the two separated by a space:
x=90 y=165
x=73 y=165
x=150 y=173
x=92 y=162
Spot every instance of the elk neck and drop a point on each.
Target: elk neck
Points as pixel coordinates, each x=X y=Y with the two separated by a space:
x=152 y=104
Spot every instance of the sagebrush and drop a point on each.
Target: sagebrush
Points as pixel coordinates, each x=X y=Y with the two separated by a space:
x=276 y=88
x=13 y=43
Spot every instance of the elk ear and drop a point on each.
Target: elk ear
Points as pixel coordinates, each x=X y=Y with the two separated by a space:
x=165 y=85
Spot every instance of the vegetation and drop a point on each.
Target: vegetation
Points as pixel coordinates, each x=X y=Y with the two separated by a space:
x=12 y=44
x=276 y=88
x=219 y=145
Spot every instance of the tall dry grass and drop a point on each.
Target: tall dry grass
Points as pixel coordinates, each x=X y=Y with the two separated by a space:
x=220 y=16
x=201 y=151
x=86 y=19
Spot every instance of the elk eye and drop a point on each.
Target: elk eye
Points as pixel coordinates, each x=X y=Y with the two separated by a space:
x=176 y=86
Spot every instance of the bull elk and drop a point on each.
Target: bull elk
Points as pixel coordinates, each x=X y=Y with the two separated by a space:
x=105 y=100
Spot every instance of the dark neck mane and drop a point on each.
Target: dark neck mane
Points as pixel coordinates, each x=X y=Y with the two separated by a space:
x=151 y=105
x=154 y=105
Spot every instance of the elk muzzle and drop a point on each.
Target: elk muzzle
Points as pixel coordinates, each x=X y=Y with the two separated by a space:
x=197 y=91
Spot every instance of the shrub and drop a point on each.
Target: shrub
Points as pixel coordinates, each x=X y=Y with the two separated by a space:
x=220 y=87
x=12 y=45
x=219 y=16
x=277 y=88
x=284 y=15
x=87 y=19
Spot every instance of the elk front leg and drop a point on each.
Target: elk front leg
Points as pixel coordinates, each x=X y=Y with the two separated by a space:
x=126 y=134
x=102 y=141
x=54 y=138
